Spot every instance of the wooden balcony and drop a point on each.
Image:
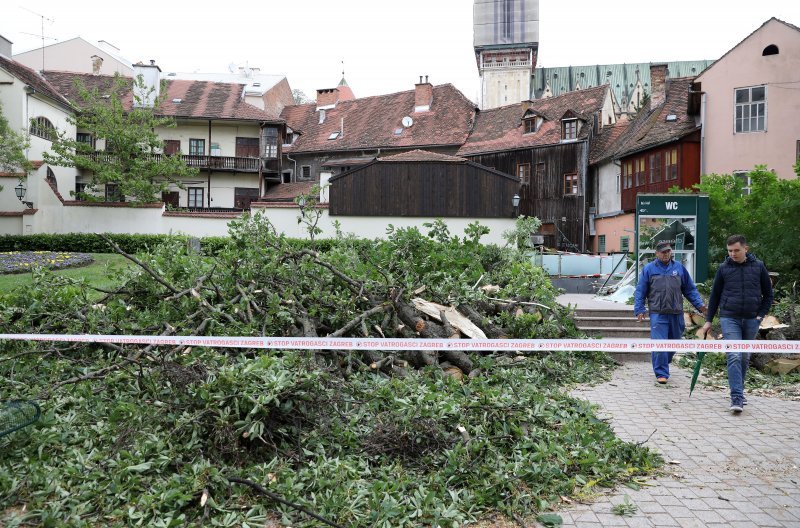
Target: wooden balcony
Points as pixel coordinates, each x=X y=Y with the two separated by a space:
x=216 y=163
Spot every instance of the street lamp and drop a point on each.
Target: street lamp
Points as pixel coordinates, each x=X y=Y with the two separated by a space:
x=515 y=203
x=20 y=191
x=301 y=202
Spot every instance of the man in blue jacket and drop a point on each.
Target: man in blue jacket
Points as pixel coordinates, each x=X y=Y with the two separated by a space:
x=742 y=293
x=663 y=284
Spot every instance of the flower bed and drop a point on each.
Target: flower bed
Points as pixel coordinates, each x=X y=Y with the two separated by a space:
x=24 y=261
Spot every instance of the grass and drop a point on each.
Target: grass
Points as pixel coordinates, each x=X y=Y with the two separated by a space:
x=99 y=273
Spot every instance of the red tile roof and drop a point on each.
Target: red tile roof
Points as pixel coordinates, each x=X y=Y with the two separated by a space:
x=33 y=79
x=606 y=142
x=371 y=122
x=422 y=155
x=650 y=127
x=501 y=128
x=199 y=99
x=286 y=192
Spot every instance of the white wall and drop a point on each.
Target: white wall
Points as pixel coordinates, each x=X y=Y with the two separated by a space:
x=285 y=220
x=609 y=199
x=225 y=136
x=72 y=55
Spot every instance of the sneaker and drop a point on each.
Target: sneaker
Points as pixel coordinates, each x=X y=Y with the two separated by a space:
x=736 y=406
x=662 y=380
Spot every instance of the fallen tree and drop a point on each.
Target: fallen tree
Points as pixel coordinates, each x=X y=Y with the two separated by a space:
x=157 y=434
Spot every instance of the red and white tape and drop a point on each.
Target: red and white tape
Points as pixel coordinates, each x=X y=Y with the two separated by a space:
x=467 y=345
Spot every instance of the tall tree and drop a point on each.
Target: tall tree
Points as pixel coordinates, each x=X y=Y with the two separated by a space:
x=12 y=149
x=131 y=159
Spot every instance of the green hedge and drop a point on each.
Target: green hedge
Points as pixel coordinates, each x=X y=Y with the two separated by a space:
x=92 y=243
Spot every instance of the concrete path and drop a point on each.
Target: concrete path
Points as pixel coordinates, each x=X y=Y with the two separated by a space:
x=722 y=471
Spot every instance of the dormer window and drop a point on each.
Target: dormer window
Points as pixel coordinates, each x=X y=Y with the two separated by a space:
x=531 y=122
x=569 y=129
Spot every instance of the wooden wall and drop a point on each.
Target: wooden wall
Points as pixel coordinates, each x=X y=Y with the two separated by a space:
x=563 y=215
x=437 y=189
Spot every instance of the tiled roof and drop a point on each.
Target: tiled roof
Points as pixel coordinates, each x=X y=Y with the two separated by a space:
x=371 y=122
x=605 y=143
x=32 y=78
x=199 y=99
x=650 y=126
x=501 y=128
x=286 y=192
x=422 y=155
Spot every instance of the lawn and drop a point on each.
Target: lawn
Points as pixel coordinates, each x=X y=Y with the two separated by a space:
x=99 y=274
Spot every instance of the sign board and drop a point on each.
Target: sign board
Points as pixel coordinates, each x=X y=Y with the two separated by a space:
x=681 y=220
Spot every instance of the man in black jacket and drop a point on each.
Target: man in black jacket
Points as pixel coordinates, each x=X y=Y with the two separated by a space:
x=742 y=292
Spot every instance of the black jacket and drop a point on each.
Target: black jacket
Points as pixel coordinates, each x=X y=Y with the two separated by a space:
x=741 y=291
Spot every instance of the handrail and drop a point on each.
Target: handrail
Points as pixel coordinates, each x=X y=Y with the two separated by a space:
x=624 y=257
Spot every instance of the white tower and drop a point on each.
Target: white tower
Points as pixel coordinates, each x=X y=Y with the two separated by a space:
x=506 y=41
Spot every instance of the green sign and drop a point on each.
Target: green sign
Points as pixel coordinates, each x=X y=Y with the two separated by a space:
x=666 y=205
x=681 y=220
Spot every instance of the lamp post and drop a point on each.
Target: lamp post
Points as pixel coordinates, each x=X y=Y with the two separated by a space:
x=20 y=191
x=301 y=202
x=515 y=203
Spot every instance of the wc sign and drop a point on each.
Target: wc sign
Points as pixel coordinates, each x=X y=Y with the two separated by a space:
x=671 y=206
x=667 y=205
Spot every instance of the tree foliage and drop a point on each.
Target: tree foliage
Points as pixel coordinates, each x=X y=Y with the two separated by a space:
x=769 y=216
x=132 y=144
x=12 y=149
x=155 y=436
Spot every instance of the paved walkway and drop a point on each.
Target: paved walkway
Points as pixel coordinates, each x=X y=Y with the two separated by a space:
x=723 y=470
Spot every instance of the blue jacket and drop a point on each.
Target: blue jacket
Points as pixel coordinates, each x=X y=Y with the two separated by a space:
x=742 y=291
x=663 y=287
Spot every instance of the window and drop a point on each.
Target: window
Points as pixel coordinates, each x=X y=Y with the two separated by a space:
x=744 y=176
x=540 y=171
x=671 y=159
x=85 y=138
x=246 y=147
x=640 y=171
x=797 y=154
x=215 y=150
x=772 y=49
x=305 y=172
x=655 y=168
x=112 y=193
x=751 y=109
x=627 y=175
x=195 y=196
x=524 y=173
x=269 y=137
x=80 y=190
x=624 y=243
x=569 y=129
x=601 y=244
x=334 y=135
x=529 y=125
x=197 y=147
x=571 y=184
x=43 y=128
x=172 y=147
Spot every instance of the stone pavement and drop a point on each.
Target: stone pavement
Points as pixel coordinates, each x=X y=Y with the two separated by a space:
x=722 y=470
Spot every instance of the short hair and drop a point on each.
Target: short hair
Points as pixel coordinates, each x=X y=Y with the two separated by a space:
x=733 y=239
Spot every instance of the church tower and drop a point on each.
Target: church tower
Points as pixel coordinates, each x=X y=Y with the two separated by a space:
x=506 y=41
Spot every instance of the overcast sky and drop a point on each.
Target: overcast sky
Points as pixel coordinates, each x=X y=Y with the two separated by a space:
x=385 y=46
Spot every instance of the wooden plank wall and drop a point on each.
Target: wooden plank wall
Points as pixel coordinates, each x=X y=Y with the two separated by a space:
x=429 y=189
x=544 y=198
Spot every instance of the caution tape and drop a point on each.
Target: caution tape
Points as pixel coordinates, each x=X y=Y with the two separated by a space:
x=467 y=345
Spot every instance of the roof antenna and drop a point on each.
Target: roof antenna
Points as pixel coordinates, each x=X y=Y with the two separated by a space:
x=43 y=18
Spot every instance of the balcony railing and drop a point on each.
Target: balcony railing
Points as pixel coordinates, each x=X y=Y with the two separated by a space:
x=224 y=163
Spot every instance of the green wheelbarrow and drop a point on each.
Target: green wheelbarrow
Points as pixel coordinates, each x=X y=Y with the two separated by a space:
x=16 y=414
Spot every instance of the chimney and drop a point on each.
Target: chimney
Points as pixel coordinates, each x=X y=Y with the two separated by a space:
x=423 y=95
x=146 y=94
x=97 y=64
x=658 y=82
x=327 y=98
x=5 y=46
